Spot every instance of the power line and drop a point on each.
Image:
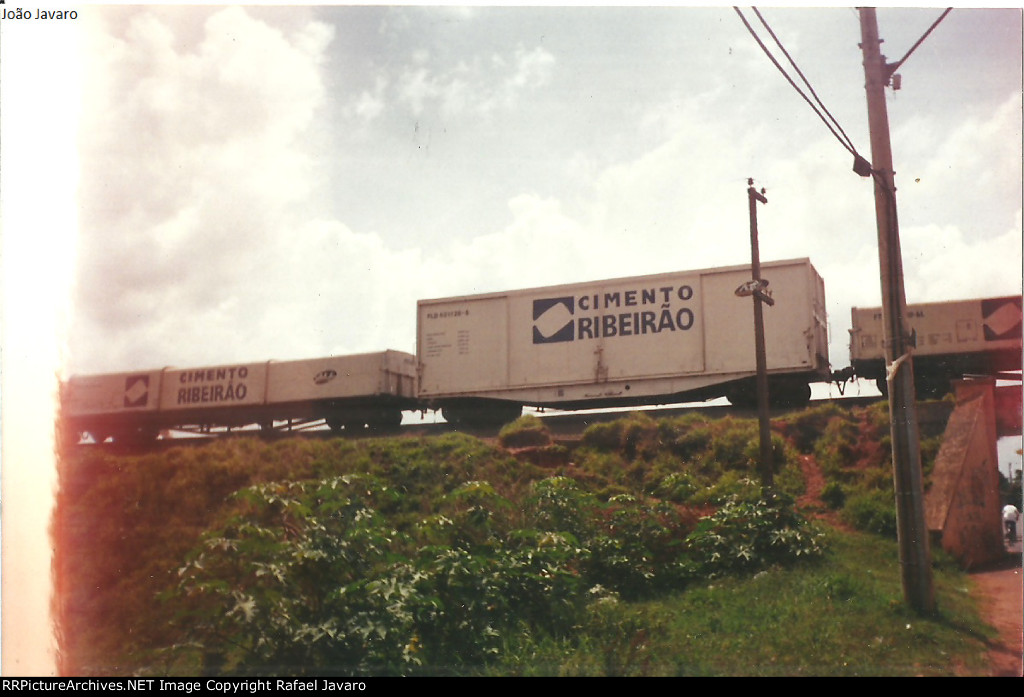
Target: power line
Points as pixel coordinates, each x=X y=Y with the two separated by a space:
x=782 y=48
x=861 y=165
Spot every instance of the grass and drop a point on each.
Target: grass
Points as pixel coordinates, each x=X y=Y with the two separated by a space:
x=843 y=616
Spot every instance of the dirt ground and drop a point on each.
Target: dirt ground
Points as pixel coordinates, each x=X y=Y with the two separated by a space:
x=1000 y=592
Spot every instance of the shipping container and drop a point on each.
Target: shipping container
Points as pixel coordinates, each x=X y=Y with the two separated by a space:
x=349 y=392
x=104 y=405
x=949 y=340
x=643 y=340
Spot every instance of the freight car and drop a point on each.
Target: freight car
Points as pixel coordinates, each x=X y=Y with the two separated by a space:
x=631 y=341
x=950 y=340
x=348 y=392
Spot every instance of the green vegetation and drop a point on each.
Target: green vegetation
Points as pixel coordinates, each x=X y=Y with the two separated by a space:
x=645 y=549
x=853 y=449
x=841 y=616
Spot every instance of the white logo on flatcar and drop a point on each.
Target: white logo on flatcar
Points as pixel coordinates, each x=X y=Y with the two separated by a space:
x=325 y=376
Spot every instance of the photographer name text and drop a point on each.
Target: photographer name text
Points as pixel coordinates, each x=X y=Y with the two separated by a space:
x=20 y=13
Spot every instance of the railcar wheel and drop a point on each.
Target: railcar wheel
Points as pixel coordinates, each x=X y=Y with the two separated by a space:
x=883 y=386
x=931 y=386
x=386 y=420
x=70 y=437
x=138 y=435
x=481 y=414
x=742 y=395
x=791 y=393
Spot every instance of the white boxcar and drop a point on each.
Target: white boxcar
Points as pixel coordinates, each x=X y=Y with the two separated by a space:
x=641 y=340
x=952 y=339
x=347 y=391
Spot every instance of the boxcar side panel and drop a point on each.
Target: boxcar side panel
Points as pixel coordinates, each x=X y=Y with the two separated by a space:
x=793 y=331
x=121 y=393
x=955 y=327
x=230 y=386
x=334 y=377
x=631 y=329
x=463 y=344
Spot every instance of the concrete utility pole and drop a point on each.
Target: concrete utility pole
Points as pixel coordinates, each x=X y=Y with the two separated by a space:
x=915 y=557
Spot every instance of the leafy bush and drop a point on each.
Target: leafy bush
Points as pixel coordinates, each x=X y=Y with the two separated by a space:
x=285 y=584
x=308 y=577
x=691 y=442
x=677 y=486
x=749 y=535
x=559 y=504
x=629 y=546
x=635 y=436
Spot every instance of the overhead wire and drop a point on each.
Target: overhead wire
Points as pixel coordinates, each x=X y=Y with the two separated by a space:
x=803 y=77
x=845 y=143
x=861 y=165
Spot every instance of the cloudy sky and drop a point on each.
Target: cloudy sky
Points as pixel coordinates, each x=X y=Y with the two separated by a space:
x=270 y=182
x=192 y=186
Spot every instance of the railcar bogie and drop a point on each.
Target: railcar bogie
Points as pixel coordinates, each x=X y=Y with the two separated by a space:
x=480 y=413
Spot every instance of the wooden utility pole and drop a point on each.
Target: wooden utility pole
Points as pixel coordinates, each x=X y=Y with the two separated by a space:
x=915 y=557
x=758 y=291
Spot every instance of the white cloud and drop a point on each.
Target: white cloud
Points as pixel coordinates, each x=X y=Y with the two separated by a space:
x=192 y=156
x=955 y=173
x=474 y=86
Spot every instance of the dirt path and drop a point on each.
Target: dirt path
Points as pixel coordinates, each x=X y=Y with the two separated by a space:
x=1000 y=592
x=999 y=587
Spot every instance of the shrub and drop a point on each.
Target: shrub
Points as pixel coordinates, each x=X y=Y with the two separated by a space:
x=524 y=432
x=871 y=511
x=749 y=535
x=640 y=437
x=691 y=443
x=805 y=427
x=604 y=437
x=833 y=495
x=638 y=549
x=635 y=436
x=284 y=585
x=558 y=504
x=677 y=486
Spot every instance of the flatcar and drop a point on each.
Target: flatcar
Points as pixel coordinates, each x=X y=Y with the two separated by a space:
x=658 y=339
x=950 y=340
x=350 y=393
